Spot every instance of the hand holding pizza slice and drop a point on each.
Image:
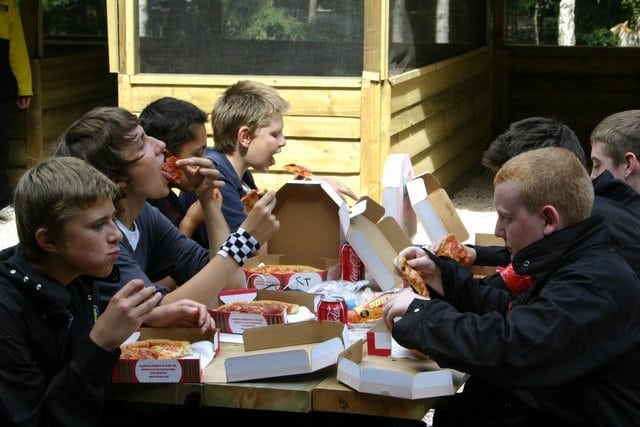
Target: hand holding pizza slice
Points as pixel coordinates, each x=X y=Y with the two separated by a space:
x=251 y=198
x=410 y=275
x=453 y=248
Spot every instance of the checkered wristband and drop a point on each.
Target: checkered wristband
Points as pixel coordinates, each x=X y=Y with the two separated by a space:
x=240 y=245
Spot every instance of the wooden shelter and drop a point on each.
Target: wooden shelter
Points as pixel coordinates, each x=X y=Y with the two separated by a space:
x=444 y=113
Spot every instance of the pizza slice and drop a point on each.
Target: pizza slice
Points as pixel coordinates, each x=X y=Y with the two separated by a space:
x=453 y=248
x=298 y=170
x=169 y=169
x=156 y=348
x=284 y=269
x=251 y=198
x=259 y=307
x=410 y=275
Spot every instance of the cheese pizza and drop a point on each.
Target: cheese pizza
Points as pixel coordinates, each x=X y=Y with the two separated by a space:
x=284 y=269
x=298 y=170
x=251 y=198
x=156 y=348
x=259 y=307
x=453 y=248
x=410 y=275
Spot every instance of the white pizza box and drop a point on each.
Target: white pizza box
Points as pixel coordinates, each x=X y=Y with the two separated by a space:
x=379 y=340
x=184 y=370
x=395 y=200
x=287 y=349
x=237 y=323
x=309 y=234
x=407 y=378
x=434 y=209
x=376 y=239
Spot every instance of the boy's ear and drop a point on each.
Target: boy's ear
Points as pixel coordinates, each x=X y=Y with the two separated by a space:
x=244 y=136
x=44 y=239
x=551 y=218
x=632 y=164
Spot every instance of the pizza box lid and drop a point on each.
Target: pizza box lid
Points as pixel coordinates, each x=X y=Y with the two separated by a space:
x=395 y=200
x=287 y=349
x=486 y=239
x=407 y=378
x=376 y=239
x=165 y=370
x=434 y=209
x=309 y=226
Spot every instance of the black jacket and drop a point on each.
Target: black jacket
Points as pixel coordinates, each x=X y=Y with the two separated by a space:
x=620 y=205
x=51 y=372
x=568 y=347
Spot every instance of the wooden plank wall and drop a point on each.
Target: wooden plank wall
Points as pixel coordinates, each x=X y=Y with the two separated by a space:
x=65 y=87
x=322 y=128
x=578 y=86
x=440 y=115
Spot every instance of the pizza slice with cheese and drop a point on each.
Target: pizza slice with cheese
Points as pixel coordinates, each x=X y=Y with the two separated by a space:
x=453 y=248
x=156 y=348
x=251 y=198
x=298 y=170
x=259 y=307
x=410 y=275
x=169 y=169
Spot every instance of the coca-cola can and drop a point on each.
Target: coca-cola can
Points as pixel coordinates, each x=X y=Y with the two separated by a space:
x=333 y=308
x=350 y=263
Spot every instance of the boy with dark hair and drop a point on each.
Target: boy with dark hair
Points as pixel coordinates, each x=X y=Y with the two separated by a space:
x=57 y=342
x=181 y=126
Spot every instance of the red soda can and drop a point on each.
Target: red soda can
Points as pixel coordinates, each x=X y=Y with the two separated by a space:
x=350 y=263
x=332 y=308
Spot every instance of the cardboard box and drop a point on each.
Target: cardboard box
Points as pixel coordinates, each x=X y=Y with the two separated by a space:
x=434 y=209
x=287 y=349
x=379 y=340
x=376 y=238
x=484 y=239
x=395 y=200
x=185 y=370
x=404 y=378
x=309 y=234
x=237 y=323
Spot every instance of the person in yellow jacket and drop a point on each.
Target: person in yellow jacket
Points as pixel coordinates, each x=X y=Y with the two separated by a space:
x=15 y=83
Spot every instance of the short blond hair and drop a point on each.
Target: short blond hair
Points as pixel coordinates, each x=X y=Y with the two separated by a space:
x=52 y=192
x=246 y=103
x=550 y=176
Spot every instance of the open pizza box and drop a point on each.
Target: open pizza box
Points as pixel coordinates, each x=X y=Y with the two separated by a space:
x=237 y=323
x=376 y=238
x=434 y=209
x=407 y=378
x=185 y=370
x=287 y=349
x=309 y=234
x=395 y=200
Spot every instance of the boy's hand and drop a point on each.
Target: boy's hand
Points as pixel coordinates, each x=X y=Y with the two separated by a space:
x=260 y=222
x=126 y=311
x=184 y=313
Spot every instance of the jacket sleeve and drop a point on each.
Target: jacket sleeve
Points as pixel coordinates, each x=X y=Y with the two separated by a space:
x=28 y=396
x=18 y=55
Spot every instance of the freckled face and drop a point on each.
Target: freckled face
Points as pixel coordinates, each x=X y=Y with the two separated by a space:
x=515 y=224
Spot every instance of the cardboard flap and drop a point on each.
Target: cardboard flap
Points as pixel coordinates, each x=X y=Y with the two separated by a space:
x=309 y=300
x=486 y=239
x=353 y=352
x=448 y=214
x=186 y=334
x=297 y=203
x=394 y=233
x=430 y=182
x=288 y=334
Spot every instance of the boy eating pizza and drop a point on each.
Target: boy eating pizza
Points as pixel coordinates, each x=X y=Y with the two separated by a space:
x=57 y=342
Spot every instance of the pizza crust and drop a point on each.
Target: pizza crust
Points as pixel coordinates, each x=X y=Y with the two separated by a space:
x=259 y=307
x=299 y=170
x=284 y=269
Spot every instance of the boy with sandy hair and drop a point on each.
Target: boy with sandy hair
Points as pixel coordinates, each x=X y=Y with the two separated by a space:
x=566 y=351
x=615 y=146
x=57 y=342
x=248 y=130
